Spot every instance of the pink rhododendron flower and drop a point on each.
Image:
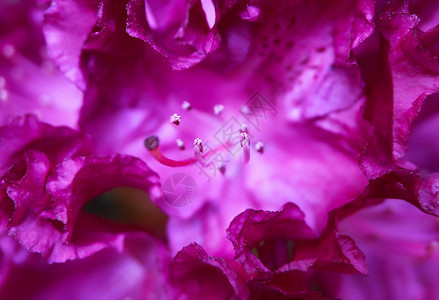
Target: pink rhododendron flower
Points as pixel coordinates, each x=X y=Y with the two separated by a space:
x=219 y=149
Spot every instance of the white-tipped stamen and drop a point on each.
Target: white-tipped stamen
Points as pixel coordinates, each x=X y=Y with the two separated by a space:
x=259 y=147
x=217 y=109
x=245 y=144
x=186 y=105
x=175 y=119
x=180 y=144
x=198 y=150
x=198 y=145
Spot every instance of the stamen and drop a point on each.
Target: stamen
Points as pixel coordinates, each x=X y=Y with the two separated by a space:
x=175 y=119
x=217 y=109
x=259 y=147
x=186 y=105
x=198 y=145
x=245 y=110
x=245 y=144
x=243 y=128
x=180 y=144
x=198 y=149
x=152 y=144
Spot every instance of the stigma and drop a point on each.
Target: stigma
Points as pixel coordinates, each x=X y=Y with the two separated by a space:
x=152 y=144
x=245 y=144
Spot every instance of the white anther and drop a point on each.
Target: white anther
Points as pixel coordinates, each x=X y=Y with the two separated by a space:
x=243 y=128
x=245 y=141
x=217 y=109
x=175 y=119
x=198 y=145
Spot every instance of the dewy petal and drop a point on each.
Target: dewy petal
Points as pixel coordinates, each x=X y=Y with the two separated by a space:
x=282 y=241
x=66 y=35
x=195 y=274
x=25 y=133
x=49 y=183
x=76 y=181
x=408 y=72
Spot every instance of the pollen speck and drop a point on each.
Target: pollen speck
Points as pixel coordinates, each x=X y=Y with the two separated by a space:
x=180 y=144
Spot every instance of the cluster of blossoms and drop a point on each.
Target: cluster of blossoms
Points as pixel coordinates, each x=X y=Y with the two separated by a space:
x=219 y=149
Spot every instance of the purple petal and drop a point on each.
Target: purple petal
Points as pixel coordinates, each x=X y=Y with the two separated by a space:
x=65 y=45
x=282 y=241
x=401 y=247
x=180 y=30
x=195 y=274
x=49 y=183
x=408 y=73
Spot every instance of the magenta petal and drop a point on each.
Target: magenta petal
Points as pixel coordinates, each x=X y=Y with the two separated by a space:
x=251 y=227
x=282 y=241
x=48 y=217
x=27 y=133
x=401 y=246
x=74 y=182
x=106 y=275
x=302 y=48
x=65 y=45
x=408 y=72
x=195 y=274
x=179 y=30
x=49 y=180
